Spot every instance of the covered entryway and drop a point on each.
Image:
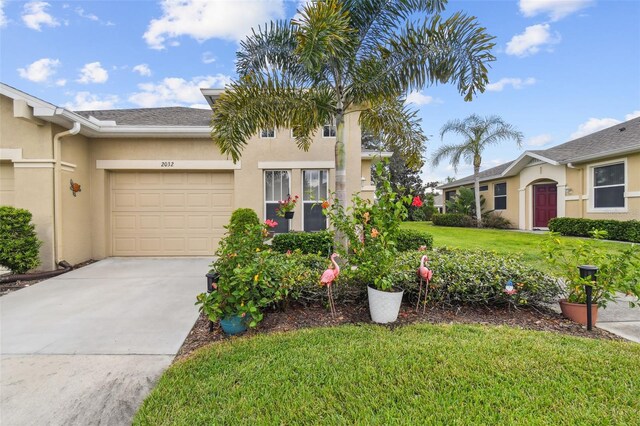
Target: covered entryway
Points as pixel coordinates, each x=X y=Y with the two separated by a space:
x=545 y=204
x=169 y=213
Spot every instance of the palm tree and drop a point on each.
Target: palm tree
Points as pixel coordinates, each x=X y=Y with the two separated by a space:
x=478 y=133
x=350 y=56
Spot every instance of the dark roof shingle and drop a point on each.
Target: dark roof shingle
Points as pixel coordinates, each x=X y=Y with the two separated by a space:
x=169 y=116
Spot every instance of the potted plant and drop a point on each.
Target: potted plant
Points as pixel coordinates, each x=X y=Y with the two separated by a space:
x=618 y=273
x=372 y=231
x=286 y=207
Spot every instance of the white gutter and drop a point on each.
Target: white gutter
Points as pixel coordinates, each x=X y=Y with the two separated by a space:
x=57 y=190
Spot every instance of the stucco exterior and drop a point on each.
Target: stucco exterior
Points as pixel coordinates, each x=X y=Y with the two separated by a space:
x=30 y=164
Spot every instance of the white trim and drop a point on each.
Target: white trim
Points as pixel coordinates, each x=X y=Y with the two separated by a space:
x=632 y=194
x=591 y=190
x=326 y=220
x=527 y=154
x=561 y=200
x=368 y=188
x=68 y=167
x=505 y=196
x=522 y=193
x=335 y=130
x=167 y=164
x=12 y=154
x=264 y=195
x=275 y=133
x=572 y=198
x=34 y=164
x=369 y=155
x=280 y=165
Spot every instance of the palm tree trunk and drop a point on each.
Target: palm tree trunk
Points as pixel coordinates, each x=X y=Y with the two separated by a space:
x=341 y=173
x=476 y=190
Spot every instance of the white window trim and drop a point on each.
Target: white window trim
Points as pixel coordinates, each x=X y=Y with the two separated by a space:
x=264 y=191
x=591 y=200
x=505 y=196
x=275 y=133
x=310 y=202
x=332 y=124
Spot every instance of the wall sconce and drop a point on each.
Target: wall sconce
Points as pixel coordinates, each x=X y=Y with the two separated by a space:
x=74 y=187
x=568 y=191
x=362 y=181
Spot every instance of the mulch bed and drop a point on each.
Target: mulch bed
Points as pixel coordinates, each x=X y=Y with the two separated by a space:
x=297 y=317
x=6 y=288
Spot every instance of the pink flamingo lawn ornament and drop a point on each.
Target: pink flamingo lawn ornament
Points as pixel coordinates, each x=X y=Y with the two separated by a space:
x=425 y=274
x=327 y=279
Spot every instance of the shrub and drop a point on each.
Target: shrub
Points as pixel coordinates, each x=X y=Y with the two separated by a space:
x=410 y=239
x=19 y=244
x=478 y=277
x=307 y=242
x=452 y=219
x=464 y=202
x=616 y=229
x=495 y=220
x=240 y=218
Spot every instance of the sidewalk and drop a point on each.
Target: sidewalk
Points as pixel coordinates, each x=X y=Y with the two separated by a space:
x=620 y=319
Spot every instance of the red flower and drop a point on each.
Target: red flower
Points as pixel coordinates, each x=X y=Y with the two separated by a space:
x=325 y=204
x=417 y=202
x=271 y=223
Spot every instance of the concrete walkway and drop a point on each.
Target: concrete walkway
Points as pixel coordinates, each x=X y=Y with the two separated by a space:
x=618 y=318
x=86 y=347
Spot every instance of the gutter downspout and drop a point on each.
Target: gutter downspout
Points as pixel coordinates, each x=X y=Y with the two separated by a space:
x=57 y=190
x=581 y=201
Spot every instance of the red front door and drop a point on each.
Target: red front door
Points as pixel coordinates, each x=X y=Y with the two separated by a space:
x=545 y=204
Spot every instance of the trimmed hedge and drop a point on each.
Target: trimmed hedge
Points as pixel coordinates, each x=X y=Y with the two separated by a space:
x=452 y=219
x=616 y=229
x=19 y=244
x=307 y=242
x=410 y=239
x=242 y=217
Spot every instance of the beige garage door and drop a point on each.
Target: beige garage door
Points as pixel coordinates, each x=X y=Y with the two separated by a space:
x=169 y=213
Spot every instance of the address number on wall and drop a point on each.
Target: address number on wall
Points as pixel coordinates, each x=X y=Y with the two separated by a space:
x=167 y=164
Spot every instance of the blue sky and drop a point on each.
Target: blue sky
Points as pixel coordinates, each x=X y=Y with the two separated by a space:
x=564 y=67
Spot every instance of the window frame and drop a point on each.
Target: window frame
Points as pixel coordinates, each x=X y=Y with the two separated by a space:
x=330 y=126
x=268 y=137
x=591 y=169
x=264 y=194
x=506 y=204
x=302 y=172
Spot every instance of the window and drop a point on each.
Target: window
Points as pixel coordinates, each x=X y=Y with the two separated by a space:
x=329 y=130
x=500 y=196
x=276 y=188
x=268 y=133
x=609 y=186
x=484 y=188
x=315 y=188
x=449 y=195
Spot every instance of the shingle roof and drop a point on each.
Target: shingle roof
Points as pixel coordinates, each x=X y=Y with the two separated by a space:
x=602 y=143
x=170 y=116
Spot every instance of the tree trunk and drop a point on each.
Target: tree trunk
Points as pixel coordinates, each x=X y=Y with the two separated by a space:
x=341 y=173
x=476 y=190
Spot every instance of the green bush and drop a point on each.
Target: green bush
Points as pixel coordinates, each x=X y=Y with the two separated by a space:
x=495 y=220
x=19 y=244
x=477 y=277
x=240 y=218
x=452 y=219
x=410 y=239
x=307 y=242
x=616 y=229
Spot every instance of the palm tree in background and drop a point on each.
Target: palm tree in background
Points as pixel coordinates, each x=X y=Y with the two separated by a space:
x=478 y=133
x=341 y=57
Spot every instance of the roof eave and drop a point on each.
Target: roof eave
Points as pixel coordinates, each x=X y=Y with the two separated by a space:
x=586 y=158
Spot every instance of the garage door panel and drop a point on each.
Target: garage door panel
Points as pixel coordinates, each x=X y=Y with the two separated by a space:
x=169 y=213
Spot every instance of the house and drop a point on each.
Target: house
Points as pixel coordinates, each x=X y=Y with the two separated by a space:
x=150 y=182
x=596 y=177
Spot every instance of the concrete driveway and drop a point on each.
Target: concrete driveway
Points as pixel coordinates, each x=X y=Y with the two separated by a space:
x=86 y=347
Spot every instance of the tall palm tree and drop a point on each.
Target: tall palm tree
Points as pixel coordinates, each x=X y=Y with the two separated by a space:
x=478 y=133
x=348 y=56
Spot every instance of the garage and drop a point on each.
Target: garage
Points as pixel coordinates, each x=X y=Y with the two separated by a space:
x=169 y=213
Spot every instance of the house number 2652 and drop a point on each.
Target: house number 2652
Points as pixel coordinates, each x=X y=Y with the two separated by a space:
x=166 y=164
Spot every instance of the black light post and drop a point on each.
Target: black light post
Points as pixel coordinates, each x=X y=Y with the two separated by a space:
x=212 y=277
x=587 y=271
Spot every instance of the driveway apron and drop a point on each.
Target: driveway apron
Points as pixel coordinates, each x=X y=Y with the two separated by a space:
x=86 y=347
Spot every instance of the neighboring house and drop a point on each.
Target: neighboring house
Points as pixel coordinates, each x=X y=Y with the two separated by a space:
x=151 y=181
x=596 y=176
x=438 y=202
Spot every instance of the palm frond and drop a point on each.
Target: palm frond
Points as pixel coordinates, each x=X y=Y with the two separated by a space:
x=451 y=151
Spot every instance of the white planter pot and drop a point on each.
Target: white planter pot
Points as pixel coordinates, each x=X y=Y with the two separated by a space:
x=384 y=306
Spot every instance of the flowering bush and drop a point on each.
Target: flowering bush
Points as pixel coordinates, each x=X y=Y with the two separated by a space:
x=285 y=206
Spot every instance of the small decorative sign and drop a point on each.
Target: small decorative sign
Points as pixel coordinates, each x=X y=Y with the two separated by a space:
x=74 y=187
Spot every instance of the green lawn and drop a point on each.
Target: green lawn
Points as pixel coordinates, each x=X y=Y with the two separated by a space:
x=502 y=241
x=419 y=374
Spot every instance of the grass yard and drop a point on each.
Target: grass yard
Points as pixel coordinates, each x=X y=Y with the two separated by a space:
x=502 y=241
x=419 y=374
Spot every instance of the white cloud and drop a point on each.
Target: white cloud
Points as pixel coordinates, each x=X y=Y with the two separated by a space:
x=531 y=40
x=3 y=18
x=593 y=125
x=40 y=70
x=206 y=19
x=34 y=15
x=419 y=98
x=208 y=58
x=555 y=9
x=516 y=83
x=539 y=140
x=142 y=69
x=61 y=82
x=90 y=16
x=176 y=91
x=85 y=101
x=93 y=73
x=632 y=115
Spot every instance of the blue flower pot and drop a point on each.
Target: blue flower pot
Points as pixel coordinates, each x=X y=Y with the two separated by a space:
x=233 y=325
